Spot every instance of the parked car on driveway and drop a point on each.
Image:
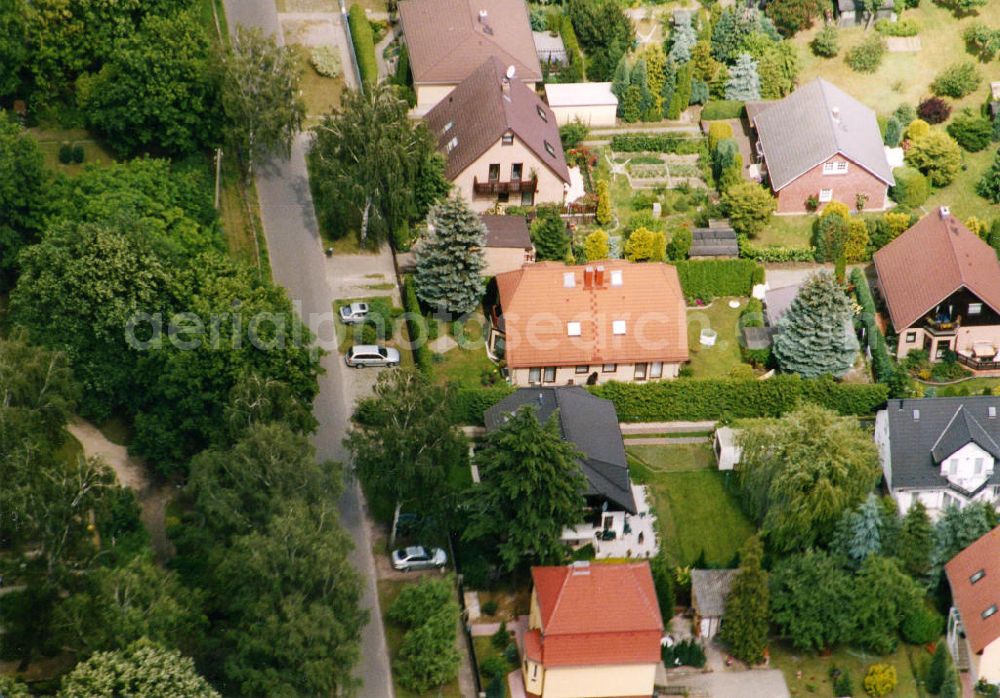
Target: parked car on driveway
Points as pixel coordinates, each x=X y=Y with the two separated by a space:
x=354 y=314
x=418 y=557
x=361 y=355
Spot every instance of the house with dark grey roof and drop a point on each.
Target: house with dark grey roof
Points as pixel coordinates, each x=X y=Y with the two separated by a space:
x=500 y=140
x=447 y=40
x=709 y=590
x=508 y=244
x=940 y=451
x=620 y=519
x=819 y=144
x=941 y=284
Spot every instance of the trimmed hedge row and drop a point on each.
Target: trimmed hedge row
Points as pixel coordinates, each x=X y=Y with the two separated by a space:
x=656 y=143
x=697 y=399
x=364 y=44
x=774 y=253
x=882 y=365
x=717 y=109
x=711 y=278
x=421 y=352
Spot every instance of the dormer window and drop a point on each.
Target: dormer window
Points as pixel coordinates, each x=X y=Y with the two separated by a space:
x=447 y=127
x=573 y=329
x=452 y=144
x=549 y=149
x=616 y=277
x=976 y=576
x=989 y=612
x=541 y=113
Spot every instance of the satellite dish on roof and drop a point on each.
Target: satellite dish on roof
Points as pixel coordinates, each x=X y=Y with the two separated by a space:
x=511 y=71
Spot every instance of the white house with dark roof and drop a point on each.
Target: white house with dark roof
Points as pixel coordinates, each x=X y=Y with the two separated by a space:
x=501 y=141
x=819 y=144
x=940 y=451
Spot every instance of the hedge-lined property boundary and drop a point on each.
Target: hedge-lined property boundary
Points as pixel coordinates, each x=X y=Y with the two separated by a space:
x=711 y=278
x=702 y=399
x=774 y=253
x=421 y=352
x=364 y=44
x=882 y=365
x=656 y=143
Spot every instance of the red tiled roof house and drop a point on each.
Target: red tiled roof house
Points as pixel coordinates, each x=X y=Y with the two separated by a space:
x=449 y=39
x=563 y=325
x=821 y=142
x=941 y=284
x=501 y=141
x=594 y=631
x=974 y=621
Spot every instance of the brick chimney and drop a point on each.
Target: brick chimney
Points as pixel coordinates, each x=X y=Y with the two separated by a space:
x=599 y=276
x=588 y=277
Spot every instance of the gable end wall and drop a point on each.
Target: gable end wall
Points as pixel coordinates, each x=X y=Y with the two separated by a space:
x=792 y=199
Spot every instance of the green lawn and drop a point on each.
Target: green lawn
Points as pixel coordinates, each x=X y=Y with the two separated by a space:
x=961 y=194
x=787 y=231
x=388 y=590
x=51 y=138
x=321 y=94
x=464 y=366
x=695 y=510
x=715 y=361
x=903 y=77
x=815 y=676
x=116 y=430
x=484 y=650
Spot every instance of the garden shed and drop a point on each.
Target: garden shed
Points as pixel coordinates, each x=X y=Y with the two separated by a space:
x=727 y=449
x=714 y=242
x=591 y=103
x=709 y=589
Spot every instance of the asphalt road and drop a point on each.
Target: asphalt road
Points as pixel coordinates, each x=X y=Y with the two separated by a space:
x=297 y=263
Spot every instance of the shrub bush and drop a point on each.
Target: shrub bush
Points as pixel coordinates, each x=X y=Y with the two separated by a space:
x=916 y=129
x=826 y=43
x=364 y=44
x=957 y=80
x=574 y=72
x=489 y=608
x=880 y=680
x=718 y=131
x=325 y=60
x=494 y=666
x=906 y=26
x=573 y=133
x=971 y=131
x=842 y=684
x=78 y=154
x=684 y=653
x=65 y=153
x=656 y=143
x=711 y=278
x=717 y=109
x=934 y=110
x=417 y=602
x=867 y=56
x=922 y=625
x=911 y=188
x=938 y=156
x=774 y=253
x=501 y=637
x=414 y=322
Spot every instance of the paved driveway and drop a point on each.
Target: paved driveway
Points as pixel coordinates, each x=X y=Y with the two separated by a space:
x=298 y=264
x=759 y=683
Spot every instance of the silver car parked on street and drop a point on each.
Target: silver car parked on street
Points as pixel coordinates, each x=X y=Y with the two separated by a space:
x=362 y=355
x=417 y=557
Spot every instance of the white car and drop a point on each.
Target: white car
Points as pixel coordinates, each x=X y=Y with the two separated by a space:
x=361 y=355
x=417 y=557
x=353 y=314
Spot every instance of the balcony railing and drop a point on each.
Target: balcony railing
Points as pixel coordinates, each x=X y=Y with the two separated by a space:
x=977 y=364
x=942 y=326
x=514 y=186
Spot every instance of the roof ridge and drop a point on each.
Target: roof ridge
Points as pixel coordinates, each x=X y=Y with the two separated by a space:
x=654 y=611
x=951 y=246
x=562 y=587
x=946 y=428
x=978 y=425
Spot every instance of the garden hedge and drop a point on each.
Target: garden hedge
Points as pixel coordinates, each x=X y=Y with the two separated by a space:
x=697 y=399
x=364 y=44
x=882 y=365
x=711 y=278
x=717 y=109
x=656 y=143
x=418 y=335
x=774 y=253
x=911 y=188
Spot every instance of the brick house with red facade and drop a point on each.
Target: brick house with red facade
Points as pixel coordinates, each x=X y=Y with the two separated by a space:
x=821 y=142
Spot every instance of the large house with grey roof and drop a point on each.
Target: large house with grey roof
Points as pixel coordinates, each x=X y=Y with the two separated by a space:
x=818 y=145
x=447 y=40
x=941 y=284
x=940 y=451
x=500 y=140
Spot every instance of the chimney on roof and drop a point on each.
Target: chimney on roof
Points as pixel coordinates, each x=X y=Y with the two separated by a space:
x=835 y=112
x=482 y=16
x=505 y=86
x=588 y=277
x=599 y=276
x=916 y=415
x=945 y=212
x=483 y=20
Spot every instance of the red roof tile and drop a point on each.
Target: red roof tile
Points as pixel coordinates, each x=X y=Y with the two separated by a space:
x=929 y=262
x=538 y=308
x=973 y=599
x=597 y=614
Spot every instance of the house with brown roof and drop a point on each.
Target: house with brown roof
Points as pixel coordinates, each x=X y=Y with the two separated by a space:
x=941 y=283
x=508 y=244
x=501 y=141
x=819 y=142
x=586 y=324
x=973 y=622
x=594 y=630
x=448 y=40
